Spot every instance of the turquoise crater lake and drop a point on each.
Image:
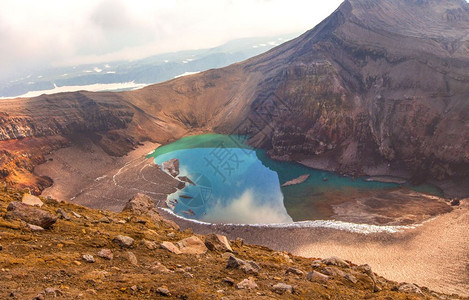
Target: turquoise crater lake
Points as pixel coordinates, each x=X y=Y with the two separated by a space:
x=234 y=183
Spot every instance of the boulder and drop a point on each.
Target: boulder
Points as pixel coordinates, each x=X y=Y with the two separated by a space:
x=88 y=258
x=172 y=167
x=192 y=245
x=281 y=288
x=159 y=268
x=367 y=270
x=132 y=258
x=229 y=280
x=351 y=278
x=123 y=241
x=317 y=277
x=143 y=205
x=31 y=215
x=316 y=263
x=62 y=214
x=247 y=284
x=150 y=245
x=106 y=254
x=294 y=271
x=76 y=215
x=335 y=261
x=170 y=247
x=409 y=288
x=35 y=227
x=217 y=242
x=31 y=200
x=332 y=271
x=163 y=291
x=140 y=204
x=248 y=267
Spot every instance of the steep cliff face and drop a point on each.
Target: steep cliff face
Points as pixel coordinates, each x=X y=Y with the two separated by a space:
x=60 y=114
x=379 y=83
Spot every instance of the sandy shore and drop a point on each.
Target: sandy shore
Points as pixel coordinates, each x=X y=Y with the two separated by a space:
x=435 y=254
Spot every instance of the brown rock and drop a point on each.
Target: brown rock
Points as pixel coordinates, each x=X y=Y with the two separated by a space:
x=140 y=204
x=159 y=268
x=88 y=258
x=247 y=284
x=281 y=288
x=229 y=280
x=367 y=270
x=170 y=224
x=35 y=227
x=106 y=254
x=170 y=247
x=150 y=245
x=132 y=258
x=317 y=276
x=409 y=288
x=123 y=241
x=31 y=200
x=63 y=214
x=335 y=261
x=294 y=271
x=192 y=245
x=248 y=267
x=217 y=242
x=163 y=291
x=332 y=271
x=31 y=215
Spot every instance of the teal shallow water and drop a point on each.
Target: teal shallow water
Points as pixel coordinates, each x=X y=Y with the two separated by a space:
x=237 y=184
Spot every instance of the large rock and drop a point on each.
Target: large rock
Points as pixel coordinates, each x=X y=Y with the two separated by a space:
x=192 y=245
x=170 y=247
x=106 y=254
x=31 y=200
x=123 y=241
x=248 y=267
x=143 y=205
x=247 y=284
x=317 y=277
x=281 y=288
x=410 y=288
x=172 y=167
x=217 y=242
x=140 y=204
x=367 y=270
x=335 y=261
x=31 y=215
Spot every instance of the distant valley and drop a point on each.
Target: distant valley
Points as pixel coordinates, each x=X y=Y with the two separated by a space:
x=129 y=75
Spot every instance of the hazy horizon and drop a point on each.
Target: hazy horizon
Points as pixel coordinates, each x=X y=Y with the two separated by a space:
x=65 y=33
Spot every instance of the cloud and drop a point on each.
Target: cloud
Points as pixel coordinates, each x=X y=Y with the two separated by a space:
x=56 y=32
x=246 y=210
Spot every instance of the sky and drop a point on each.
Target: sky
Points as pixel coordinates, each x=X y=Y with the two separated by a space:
x=36 y=34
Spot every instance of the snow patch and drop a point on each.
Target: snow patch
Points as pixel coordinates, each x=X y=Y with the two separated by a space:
x=186 y=74
x=97 y=87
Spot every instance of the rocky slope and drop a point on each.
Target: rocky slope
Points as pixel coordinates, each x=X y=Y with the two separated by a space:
x=137 y=254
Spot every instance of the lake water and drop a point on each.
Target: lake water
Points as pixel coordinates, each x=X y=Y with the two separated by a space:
x=237 y=184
